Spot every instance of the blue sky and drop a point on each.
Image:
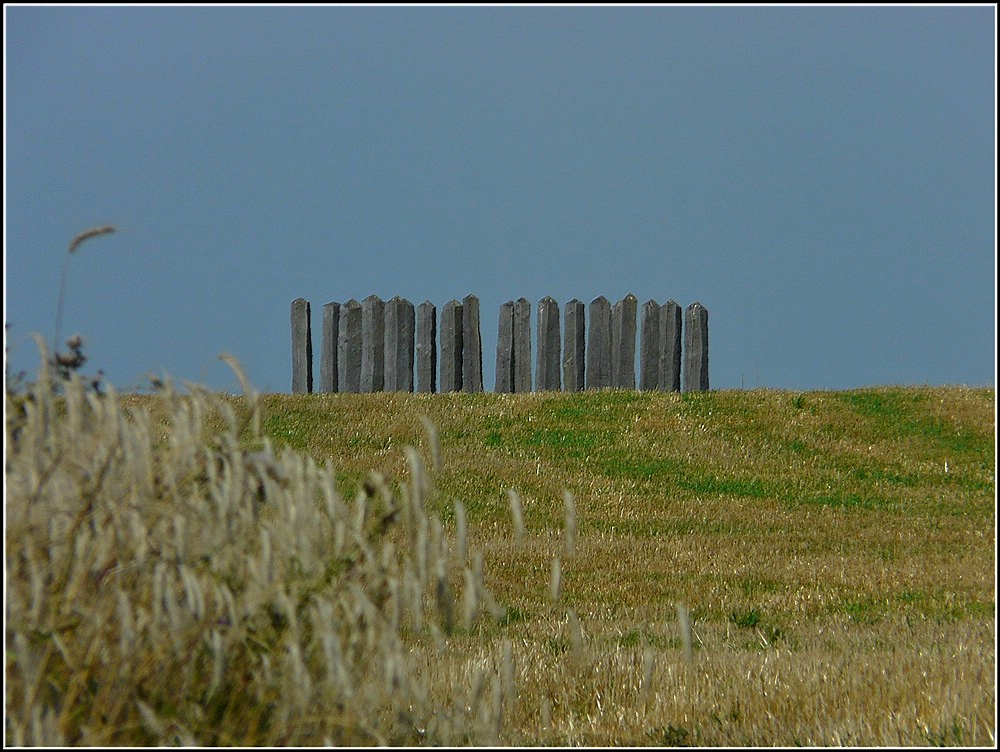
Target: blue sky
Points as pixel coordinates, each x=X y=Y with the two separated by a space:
x=822 y=180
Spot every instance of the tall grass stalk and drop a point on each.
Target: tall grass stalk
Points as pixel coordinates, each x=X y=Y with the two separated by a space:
x=517 y=515
x=685 y=626
x=555 y=580
x=461 y=530
x=60 y=301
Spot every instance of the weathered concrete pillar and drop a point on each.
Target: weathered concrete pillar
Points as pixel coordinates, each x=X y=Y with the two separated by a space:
x=399 y=331
x=696 y=348
x=472 y=346
x=302 y=354
x=670 y=347
x=505 y=349
x=547 y=377
x=372 y=344
x=623 y=343
x=650 y=351
x=451 y=346
x=522 y=345
x=426 y=347
x=349 y=347
x=574 y=346
x=328 y=356
x=599 y=344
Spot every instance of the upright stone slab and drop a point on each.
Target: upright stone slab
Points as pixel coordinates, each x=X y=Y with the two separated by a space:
x=696 y=348
x=328 y=377
x=650 y=351
x=670 y=347
x=472 y=346
x=623 y=343
x=522 y=345
x=372 y=344
x=349 y=347
x=547 y=369
x=426 y=347
x=302 y=380
x=451 y=346
x=574 y=346
x=505 y=349
x=399 y=332
x=599 y=344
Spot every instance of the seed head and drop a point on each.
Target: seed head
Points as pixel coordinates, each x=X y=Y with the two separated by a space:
x=88 y=234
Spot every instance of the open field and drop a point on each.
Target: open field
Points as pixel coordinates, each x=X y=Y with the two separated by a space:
x=722 y=568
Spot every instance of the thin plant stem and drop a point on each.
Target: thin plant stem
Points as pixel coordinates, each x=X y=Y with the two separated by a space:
x=74 y=244
x=59 y=304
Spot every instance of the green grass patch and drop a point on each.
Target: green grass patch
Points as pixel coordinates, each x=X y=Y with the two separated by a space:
x=912 y=414
x=746 y=618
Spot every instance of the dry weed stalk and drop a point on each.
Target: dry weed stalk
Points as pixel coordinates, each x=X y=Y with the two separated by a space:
x=555 y=580
x=685 y=626
x=88 y=234
x=516 y=514
x=74 y=244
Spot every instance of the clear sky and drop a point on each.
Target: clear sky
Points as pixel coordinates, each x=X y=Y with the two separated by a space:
x=822 y=180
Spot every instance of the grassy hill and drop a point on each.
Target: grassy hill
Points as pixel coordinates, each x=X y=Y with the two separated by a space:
x=721 y=568
x=872 y=477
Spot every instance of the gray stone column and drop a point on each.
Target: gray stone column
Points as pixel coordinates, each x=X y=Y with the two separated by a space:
x=426 y=347
x=670 y=347
x=349 y=347
x=505 y=349
x=399 y=331
x=451 y=346
x=574 y=346
x=372 y=344
x=302 y=355
x=522 y=345
x=623 y=343
x=650 y=351
x=472 y=346
x=547 y=377
x=328 y=356
x=696 y=348
x=599 y=344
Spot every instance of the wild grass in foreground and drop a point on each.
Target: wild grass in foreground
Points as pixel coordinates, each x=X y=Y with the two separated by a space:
x=752 y=568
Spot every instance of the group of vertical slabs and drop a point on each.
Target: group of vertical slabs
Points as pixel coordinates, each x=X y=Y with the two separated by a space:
x=373 y=346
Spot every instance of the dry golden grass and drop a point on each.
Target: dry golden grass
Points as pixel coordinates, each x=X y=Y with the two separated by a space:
x=837 y=575
x=817 y=514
